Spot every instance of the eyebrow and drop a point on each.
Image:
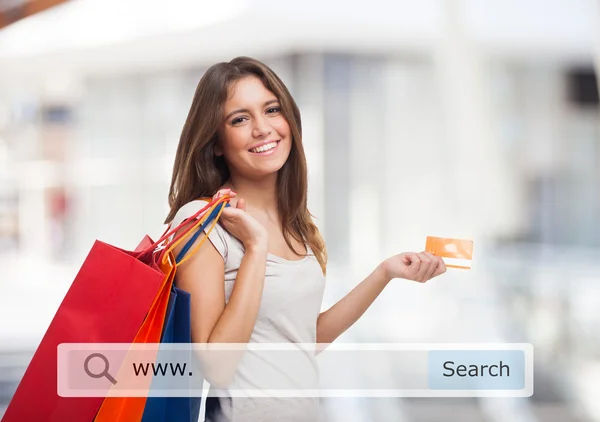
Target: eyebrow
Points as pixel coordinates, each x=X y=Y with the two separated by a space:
x=245 y=110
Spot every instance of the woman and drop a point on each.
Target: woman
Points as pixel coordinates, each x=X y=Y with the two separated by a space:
x=262 y=275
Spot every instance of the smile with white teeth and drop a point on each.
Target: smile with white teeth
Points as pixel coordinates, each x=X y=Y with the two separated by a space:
x=264 y=148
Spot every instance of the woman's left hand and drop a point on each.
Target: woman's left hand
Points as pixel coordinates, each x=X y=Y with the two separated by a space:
x=414 y=266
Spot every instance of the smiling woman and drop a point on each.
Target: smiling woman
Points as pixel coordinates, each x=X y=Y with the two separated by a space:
x=261 y=276
x=254 y=123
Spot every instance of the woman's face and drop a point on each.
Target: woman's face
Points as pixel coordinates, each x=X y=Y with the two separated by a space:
x=254 y=136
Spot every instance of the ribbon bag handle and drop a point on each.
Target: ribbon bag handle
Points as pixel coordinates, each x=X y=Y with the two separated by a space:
x=212 y=214
x=170 y=231
x=197 y=215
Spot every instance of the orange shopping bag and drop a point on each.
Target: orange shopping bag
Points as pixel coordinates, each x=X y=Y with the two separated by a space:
x=130 y=409
x=98 y=308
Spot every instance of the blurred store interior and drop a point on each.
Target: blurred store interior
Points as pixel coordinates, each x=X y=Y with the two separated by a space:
x=474 y=119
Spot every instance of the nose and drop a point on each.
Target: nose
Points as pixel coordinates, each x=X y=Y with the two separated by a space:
x=261 y=128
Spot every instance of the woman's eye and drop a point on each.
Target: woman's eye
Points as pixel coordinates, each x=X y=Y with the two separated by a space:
x=270 y=110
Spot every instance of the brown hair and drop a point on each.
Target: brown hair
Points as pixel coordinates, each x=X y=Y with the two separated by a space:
x=198 y=172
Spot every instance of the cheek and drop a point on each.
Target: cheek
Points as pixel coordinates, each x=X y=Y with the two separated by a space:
x=283 y=127
x=234 y=141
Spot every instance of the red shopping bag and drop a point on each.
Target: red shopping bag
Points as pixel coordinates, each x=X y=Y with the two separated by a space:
x=131 y=409
x=106 y=303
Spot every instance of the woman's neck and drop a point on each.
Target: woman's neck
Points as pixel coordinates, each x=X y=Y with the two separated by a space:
x=260 y=195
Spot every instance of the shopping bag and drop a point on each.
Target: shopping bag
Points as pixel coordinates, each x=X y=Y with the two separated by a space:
x=115 y=409
x=126 y=409
x=177 y=329
x=98 y=308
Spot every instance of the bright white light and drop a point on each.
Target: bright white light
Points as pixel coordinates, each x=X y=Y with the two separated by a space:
x=91 y=23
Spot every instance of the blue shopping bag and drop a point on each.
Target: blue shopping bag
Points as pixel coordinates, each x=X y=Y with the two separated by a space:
x=177 y=329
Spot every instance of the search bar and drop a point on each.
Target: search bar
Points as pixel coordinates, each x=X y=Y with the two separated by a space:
x=291 y=370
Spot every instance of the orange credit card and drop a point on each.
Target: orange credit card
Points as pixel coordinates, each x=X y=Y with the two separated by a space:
x=457 y=253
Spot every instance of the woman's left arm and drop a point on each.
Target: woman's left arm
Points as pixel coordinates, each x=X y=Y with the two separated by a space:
x=419 y=267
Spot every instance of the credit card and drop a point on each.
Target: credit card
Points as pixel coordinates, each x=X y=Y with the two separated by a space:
x=457 y=253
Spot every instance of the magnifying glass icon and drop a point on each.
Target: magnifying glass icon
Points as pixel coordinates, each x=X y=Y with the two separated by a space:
x=104 y=373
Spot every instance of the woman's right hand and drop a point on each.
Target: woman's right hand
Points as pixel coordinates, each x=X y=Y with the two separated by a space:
x=239 y=223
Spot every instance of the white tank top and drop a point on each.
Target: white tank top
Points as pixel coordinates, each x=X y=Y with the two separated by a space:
x=290 y=305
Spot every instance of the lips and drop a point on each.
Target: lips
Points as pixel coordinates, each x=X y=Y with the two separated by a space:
x=264 y=147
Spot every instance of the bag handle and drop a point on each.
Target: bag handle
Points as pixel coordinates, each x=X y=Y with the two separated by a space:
x=212 y=214
x=198 y=215
x=170 y=231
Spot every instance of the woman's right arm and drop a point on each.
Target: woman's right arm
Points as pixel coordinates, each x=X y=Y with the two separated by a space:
x=203 y=277
x=213 y=321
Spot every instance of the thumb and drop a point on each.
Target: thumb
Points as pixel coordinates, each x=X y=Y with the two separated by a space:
x=241 y=204
x=230 y=214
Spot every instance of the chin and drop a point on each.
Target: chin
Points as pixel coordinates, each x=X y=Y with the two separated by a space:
x=268 y=169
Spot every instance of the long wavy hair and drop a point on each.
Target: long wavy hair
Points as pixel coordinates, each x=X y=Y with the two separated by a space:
x=198 y=172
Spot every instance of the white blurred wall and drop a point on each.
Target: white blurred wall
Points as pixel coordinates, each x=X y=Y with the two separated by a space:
x=445 y=118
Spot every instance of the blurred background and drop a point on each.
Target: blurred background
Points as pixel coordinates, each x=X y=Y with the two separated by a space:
x=474 y=119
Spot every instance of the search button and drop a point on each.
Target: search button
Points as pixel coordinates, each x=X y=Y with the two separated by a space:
x=477 y=369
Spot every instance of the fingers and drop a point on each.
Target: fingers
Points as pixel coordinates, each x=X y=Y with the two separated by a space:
x=232 y=196
x=428 y=265
x=225 y=191
x=232 y=219
x=414 y=267
x=241 y=204
x=233 y=213
x=229 y=214
x=424 y=268
x=436 y=266
x=441 y=268
x=433 y=264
